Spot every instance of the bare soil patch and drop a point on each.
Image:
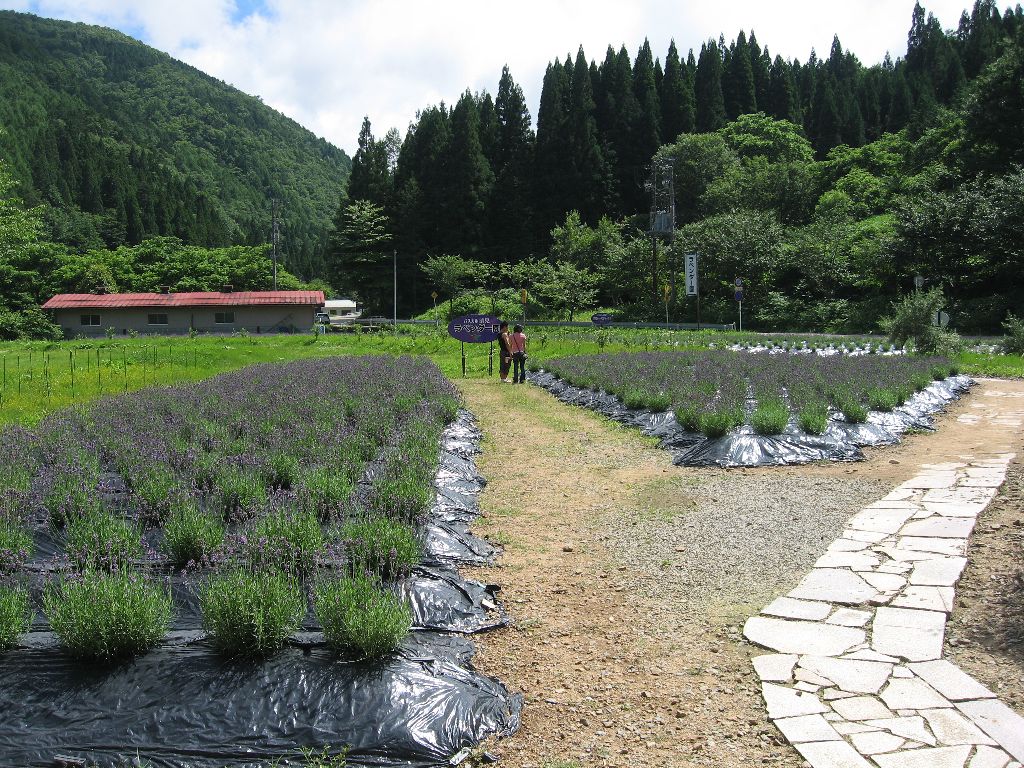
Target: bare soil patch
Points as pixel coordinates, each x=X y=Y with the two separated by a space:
x=629 y=578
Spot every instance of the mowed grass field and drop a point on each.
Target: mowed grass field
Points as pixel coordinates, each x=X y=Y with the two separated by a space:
x=39 y=377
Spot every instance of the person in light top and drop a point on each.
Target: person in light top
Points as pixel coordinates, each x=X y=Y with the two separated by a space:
x=517 y=344
x=504 y=342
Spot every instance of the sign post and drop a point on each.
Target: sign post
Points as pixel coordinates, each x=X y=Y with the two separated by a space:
x=666 y=290
x=692 y=282
x=437 y=320
x=738 y=295
x=523 y=296
x=475 y=329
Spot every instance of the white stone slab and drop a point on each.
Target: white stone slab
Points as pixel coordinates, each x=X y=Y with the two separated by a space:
x=910 y=556
x=847 y=545
x=912 y=694
x=875 y=742
x=884 y=521
x=951 y=681
x=802 y=637
x=901 y=672
x=807 y=687
x=959 y=496
x=849 y=617
x=951 y=727
x=926 y=598
x=929 y=480
x=998 y=721
x=832 y=754
x=937 y=757
x=894 y=567
x=785 y=702
x=989 y=757
x=951 y=547
x=789 y=608
x=859 y=561
x=831 y=694
x=907 y=633
x=910 y=503
x=943 y=572
x=851 y=676
x=775 y=667
x=807 y=728
x=956 y=509
x=908 y=727
x=884 y=582
x=861 y=708
x=834 y=585
x=846 y=728
x=940 y=527
x=806 y=676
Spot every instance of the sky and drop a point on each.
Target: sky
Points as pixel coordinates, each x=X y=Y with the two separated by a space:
x=327 y=63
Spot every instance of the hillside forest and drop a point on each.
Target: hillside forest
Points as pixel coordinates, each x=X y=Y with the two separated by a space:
x=827 y=185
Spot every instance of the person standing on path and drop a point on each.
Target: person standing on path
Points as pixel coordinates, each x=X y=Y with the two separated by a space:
x=517 y=343
x=504 y=342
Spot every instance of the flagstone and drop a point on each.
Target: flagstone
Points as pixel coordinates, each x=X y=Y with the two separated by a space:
x=847 y=545
x=860 y=561
x=912 y=694
x=999 y=721
x=908 y=727
x=802 y=636
x=989 y=757
x=775 y=666
x=807 y=728
x=861 y=708
x=951 y=681
x=926 y=598
x=952 y=547
x=834 y=585
x=938 y=527
x=850 y=675
x=931 y=480
x=789 y=608
x=786 y=702
x=884 y=582
x=875 y=742
x=933 y=757
x=950 y=727
x=832 y=754
x=908 y=633
x=849 y=617
x=885 y=521
x=942 y=572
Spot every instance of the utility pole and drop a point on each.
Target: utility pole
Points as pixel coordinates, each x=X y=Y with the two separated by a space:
x=662 y=222
x=394 y=258
x=275 y=236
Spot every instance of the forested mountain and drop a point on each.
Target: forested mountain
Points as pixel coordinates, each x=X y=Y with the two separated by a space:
x=814 y=179
x=121 y=143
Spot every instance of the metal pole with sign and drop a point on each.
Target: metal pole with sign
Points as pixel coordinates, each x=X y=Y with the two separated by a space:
x=394 y=261
x=738 y=295
x=523 y=297
x=474 y=329
x=437 y=320
x=693 y=282
x=667 y=291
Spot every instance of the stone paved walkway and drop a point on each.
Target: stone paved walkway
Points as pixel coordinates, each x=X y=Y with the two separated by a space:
x=857 y=678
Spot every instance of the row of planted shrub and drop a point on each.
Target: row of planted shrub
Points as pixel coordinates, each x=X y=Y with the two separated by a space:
x=711 y=391
x=249 y=481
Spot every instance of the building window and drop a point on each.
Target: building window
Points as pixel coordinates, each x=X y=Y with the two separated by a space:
x=223 y=318
x=158 y=319
x=90 y=319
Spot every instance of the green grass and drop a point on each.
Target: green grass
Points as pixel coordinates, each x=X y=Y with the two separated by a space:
x=1001 y=366
x=106 y=616
x=360 y=616
x=251 y=612
x=15 y=615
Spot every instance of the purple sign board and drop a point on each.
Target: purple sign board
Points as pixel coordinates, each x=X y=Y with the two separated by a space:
x=475 y=329
x=601 y=318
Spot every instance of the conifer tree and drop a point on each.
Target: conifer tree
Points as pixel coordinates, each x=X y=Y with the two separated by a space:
x=783 y=102
x=469 y=180
x=738 y=80
x=371 y=177
x=488 y=128
x=618 y=113
x=707 y=87
x=676 y=97
x=647 y=131
x=589 y=173
x=510 y=231
x=761 y=64
x=826 y=127
x=553 y=171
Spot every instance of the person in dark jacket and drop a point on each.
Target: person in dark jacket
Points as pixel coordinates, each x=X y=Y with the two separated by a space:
x=506 y=352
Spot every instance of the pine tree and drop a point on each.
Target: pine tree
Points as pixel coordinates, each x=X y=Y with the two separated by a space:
x=783 y=102
x=761 y=64
x=488 y=128
x=511 y=229
x=469 y=180
x=647 y=131
x=826 y=128
x=618 y=113
x=707 y=87
x=371 y=177
x=738 y=80
x=553 y=170
x=588 y=166
x=676 y=98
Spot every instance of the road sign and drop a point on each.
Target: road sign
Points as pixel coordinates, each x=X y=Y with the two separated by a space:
x=739 y=282
x=475 y=329
x=433 y=295
x=940 y=319
x=691 y=274
x=601 y=318
x=522 y=295
x=738 y=295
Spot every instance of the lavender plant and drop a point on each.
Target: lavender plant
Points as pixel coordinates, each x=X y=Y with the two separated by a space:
x=15 y=615
x=251 y=611
x=103 y=616
x=102 y=539
x=191 y=533
x=360 y=616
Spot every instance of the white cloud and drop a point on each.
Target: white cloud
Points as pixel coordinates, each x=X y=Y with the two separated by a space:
x=326 y=63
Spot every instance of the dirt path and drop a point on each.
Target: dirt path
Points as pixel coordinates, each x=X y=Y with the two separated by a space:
x=629 y=578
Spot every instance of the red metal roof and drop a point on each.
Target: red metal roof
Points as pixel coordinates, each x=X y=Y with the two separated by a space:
x=197 y=299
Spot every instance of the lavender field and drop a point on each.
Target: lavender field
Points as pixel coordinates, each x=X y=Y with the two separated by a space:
x=715 y=391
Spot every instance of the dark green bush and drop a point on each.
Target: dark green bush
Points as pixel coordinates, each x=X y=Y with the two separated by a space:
x=250 y=612
x=293 y=537
x=1013 y=342
x=716 y=423
x=880 y=399
x=105 y=616
x=358 y=615
x=190 y=533
x=15 y=615
x=770 y=417
x=814 y=418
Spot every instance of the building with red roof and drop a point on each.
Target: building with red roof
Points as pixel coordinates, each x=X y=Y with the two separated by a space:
x=227 y=311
